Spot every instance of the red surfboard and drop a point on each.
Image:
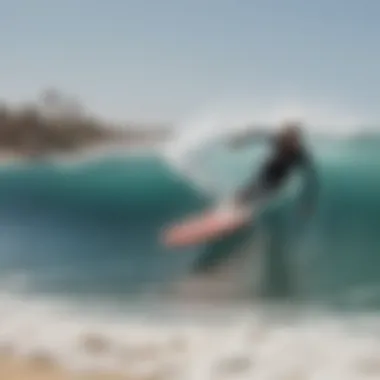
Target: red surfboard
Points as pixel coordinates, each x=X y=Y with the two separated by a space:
x=207 y=226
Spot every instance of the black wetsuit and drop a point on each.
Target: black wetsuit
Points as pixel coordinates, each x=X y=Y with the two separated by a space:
x=275 y=171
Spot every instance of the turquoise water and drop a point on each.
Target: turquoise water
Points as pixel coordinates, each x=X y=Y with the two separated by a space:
x=93 y=227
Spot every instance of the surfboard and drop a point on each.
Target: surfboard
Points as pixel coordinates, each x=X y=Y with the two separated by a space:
x=207 y=226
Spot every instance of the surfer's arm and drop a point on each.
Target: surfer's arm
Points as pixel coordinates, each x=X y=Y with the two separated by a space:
x=248 y=137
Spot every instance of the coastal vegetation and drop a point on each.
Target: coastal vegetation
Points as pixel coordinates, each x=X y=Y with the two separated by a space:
x=57 y=123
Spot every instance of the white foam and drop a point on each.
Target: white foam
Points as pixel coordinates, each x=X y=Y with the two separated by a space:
x=250 y=345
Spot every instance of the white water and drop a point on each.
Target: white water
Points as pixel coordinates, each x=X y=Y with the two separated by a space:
x=241 y=344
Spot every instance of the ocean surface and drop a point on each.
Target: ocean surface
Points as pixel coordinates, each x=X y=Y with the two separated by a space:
x=85 y=279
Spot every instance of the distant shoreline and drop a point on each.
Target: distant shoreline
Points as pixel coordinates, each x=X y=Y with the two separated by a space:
x=33 y=132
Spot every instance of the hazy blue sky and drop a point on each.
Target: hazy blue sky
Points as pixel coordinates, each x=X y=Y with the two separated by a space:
x=162 y=59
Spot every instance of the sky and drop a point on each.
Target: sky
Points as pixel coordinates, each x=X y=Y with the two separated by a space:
x=162 y=60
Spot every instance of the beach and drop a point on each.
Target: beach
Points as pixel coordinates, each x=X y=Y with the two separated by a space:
x=12 y=368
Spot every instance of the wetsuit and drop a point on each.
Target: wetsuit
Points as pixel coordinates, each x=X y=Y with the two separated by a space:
x=275 y=171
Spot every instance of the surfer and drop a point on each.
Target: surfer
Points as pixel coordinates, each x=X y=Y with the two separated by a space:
x=236 y=251
x=289 y=153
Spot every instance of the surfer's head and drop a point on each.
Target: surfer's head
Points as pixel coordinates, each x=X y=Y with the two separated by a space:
x=290 y=135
